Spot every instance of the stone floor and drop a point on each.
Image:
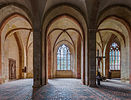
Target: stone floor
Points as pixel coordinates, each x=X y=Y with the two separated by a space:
x=16 y=90
x=64 y=89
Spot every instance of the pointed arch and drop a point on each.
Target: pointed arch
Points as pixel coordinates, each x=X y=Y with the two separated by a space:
x=14 y=31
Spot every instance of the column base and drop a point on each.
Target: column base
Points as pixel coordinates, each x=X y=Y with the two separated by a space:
x=92 y=85
x=36 y=86
x=0 y=81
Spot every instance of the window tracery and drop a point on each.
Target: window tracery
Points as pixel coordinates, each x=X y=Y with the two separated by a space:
x=114 y=57
x=63 y=58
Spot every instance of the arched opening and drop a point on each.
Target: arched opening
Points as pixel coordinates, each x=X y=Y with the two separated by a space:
x=69 y=27
x=113 y=45
x=65 y=48
x=68 y=34
x=16 y=48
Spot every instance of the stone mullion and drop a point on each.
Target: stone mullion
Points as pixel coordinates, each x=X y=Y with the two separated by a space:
x=67 y=60
x=60 y=60
x=119 y=60
x=71 y=67
x=111 y=60
x=92 y=57
x=63 y=61
x=116 y=60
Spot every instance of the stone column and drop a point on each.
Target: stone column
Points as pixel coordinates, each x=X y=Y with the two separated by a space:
x=0 y=64
x=79 y=58
x=92 y=58
x=37 y=58
x=38 y=61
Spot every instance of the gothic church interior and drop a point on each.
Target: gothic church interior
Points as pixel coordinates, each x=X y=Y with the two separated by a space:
x=65 y=42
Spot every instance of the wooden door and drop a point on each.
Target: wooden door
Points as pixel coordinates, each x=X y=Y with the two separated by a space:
x=12 y=69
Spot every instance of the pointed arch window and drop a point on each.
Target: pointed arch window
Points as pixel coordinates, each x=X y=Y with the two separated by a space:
x=63 y=58
x=114 y=56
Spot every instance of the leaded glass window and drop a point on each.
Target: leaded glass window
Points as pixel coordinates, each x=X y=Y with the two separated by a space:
x=63 y=58
x=114 y=57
